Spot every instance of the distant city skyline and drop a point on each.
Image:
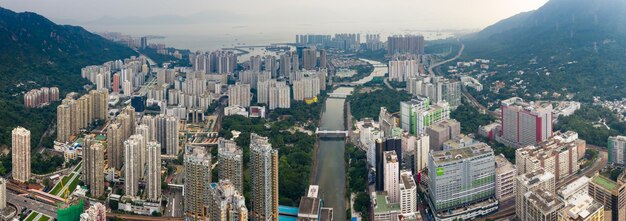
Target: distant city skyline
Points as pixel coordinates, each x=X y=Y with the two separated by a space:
x=444 y=14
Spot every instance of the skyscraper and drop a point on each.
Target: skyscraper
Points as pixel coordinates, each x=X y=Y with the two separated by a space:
x=407 y=44
x=264 y=173
x=63 y=123
x=226 y=203
x=285 y=65
x=153 y=165
x=239 y=95
x=93 y=172
x=20 y=153
x=115 y=143
x=309 y=59
x=392 y=176
x=131 y=164
x=230 y=167
x=144 y=131
x=171 y=135
x=100 y=104
x=197 y=182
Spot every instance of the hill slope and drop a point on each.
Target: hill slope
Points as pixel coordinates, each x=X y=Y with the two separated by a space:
x=591 y=34
x=39 y=53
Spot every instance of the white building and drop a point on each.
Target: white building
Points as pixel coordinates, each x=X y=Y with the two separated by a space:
x=505 y=178
x=408 y=193
x=392 y=176
x=239 y=95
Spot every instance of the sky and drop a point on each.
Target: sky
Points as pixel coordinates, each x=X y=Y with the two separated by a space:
x=455 y=14
x=273 y=19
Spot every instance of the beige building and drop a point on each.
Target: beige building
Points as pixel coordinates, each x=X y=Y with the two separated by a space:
x=153 y=165
x=226 y=203
x=197 y=182
x=541 y=205
x=230 y=166
x=115 y=143
x=557 y=155
x=63 y=123
x=264 y=173
x=93 y=166
x=531 y=181
x=20 y=153
x=582 y=208
x=505 y=178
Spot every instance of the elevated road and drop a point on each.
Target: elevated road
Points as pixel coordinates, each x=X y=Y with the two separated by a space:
x=31 y=204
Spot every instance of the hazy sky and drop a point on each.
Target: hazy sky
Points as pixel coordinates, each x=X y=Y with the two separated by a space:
x=439 y=14
x=212 y=24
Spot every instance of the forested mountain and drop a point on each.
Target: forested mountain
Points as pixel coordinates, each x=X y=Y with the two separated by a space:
x=574 y=46
x=35 y=52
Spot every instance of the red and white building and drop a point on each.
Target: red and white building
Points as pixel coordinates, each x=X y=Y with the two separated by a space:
x=525 y=123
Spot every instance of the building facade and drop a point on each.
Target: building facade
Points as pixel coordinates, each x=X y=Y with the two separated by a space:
x=20 y=153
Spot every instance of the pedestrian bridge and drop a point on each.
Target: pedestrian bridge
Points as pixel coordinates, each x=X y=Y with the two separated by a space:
x=331 y=133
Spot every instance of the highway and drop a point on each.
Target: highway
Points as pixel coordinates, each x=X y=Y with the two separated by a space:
x=430 y=69
x=31 y=204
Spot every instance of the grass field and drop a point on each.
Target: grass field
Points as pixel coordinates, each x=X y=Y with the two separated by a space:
x=32 y=216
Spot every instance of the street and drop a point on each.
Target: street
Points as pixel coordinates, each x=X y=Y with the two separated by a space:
x=31 y=204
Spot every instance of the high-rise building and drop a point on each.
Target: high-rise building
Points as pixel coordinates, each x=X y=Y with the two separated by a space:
x=153 y=165
x=392 y=176
x=197 y=182
x=402 y=68
x=441 y=132
x=226 y=202
x=171 y=135
x=270 y=65
x=279 y=96
x=382 y=146
x=115 y=144
x=323 y=60
x=422 y=147
x=505 y=178
x=418 y=114
x=230 y=167
x=131 y=164
x=407 y=44
x=309 y=59
x=285 y=65
x=532 y=181
x=63 y=123
x=541 y=205
x=264 y=173
x=116 y=83
x=144 y=131
x=93 y=166
x=461 y=176
x=20 y=153
x=612 y=194
x=239 y=95
x=100 y=104
x=436 y=88
x=3 y=194
x=408 y=193
x=525 y=123
x=558 y=155
x=617 y=149
x=96 y=212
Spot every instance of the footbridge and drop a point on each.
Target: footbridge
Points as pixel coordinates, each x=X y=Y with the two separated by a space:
x=331 y=133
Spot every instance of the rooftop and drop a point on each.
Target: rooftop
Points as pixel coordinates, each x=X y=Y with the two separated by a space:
x=581 y=183
x=407 y=179
x=581 y=207
x=382 y=205
x=536 y=176
x=543 y=200
x=604 y=182
x=461 y=153
x=326 y=214
x=503 y=165
x=309 y=206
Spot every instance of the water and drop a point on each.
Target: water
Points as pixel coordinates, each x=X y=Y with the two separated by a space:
x=331 y=174
x=380 y=70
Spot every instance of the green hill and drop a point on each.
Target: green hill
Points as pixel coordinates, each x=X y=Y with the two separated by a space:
x=36 y=52
x=580 y=43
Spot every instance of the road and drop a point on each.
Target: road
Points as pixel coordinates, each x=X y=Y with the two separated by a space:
x=430 y=69
x=174 y=206
x=31 y=204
